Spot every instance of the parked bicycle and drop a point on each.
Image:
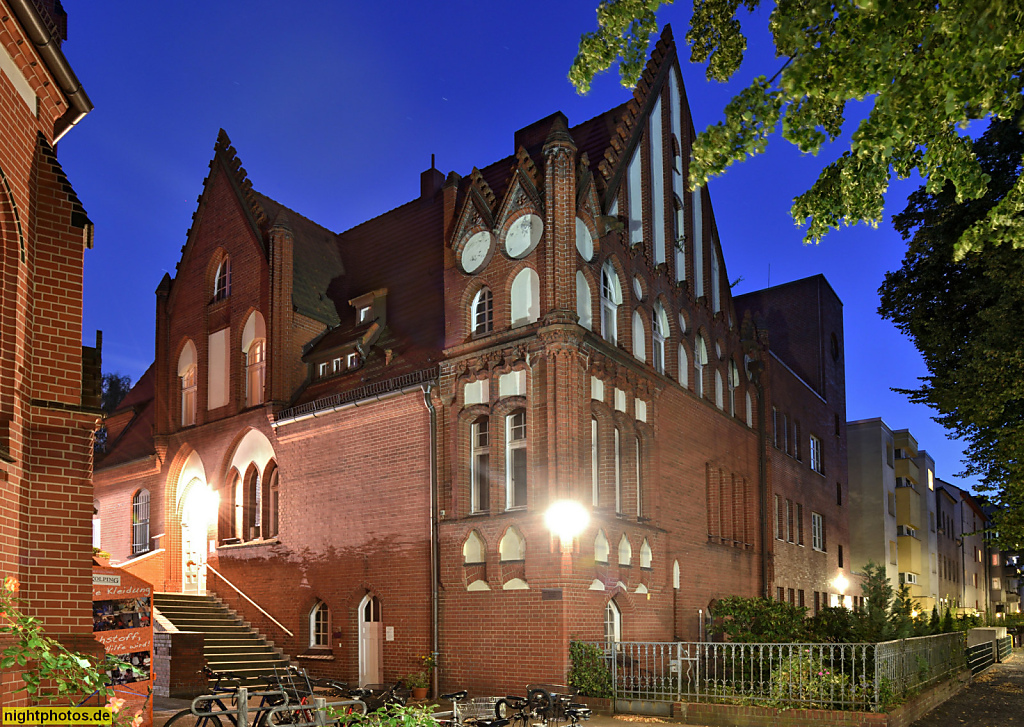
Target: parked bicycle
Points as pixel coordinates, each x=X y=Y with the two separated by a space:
x=216 y=708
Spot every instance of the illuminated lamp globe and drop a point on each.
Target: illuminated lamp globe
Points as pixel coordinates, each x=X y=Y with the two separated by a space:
x=566 y=519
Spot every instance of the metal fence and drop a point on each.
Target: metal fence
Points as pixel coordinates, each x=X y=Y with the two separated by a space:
x=818 y=676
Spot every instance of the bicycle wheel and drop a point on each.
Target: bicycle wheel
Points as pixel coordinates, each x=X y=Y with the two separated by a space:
x=185 y=718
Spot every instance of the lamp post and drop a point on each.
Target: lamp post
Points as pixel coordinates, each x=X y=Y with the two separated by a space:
x=841 y=584
x=566 y=519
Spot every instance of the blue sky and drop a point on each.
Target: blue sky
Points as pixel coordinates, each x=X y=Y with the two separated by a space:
x=335 y=109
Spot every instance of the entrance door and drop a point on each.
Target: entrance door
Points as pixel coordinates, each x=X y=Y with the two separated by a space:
x=193 y=542
x=370 y=641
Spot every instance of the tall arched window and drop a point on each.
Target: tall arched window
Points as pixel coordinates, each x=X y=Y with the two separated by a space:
x=639 y=338
x=187 y=374
x=595 y=470
x=734 y=381
x=140 y=522
x=222 y=280
x=255 y=371
x=625 y=551
x=483 y=312
x=273 y=504
x=583 y=309
x=512 y=545
x=611 y=299
x=716 y=297
x=515 y=459
x=525 y=296
x=252 y=506
x=750 y=411
x=639 y=478
x=700 y=360
x=474 y=550
x=480 y=465
x=719 y=393
x=660 y=333
x=684 y=368
x=612 y=624
x=319 y=626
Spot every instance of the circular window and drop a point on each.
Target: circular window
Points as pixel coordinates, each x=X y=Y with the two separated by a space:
x=638 y=288
x=523 y=235
x=584 y=240
x=476 y=252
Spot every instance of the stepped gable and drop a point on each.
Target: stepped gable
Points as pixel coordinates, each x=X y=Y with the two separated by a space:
x=135 y=440
x=79 y=218
x=625 y=136
x=316 y=260
x=229 y=157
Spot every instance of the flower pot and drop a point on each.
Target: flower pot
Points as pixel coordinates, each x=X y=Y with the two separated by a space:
x=419 y=692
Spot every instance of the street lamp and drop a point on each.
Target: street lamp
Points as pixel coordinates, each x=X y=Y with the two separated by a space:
x=566 y=519
x=841 y=584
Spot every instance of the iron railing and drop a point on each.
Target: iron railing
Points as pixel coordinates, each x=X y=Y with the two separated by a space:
x=811 y=676
x=363 y=392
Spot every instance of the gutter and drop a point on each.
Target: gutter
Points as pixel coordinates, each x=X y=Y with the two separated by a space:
x=347 y=405
x=435 y=569
x=48 y=48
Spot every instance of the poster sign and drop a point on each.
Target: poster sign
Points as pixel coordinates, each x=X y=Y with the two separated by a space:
x=122 y=620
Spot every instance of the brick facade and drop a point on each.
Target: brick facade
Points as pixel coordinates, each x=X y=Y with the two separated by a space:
x=490 y=326
x=49 y=382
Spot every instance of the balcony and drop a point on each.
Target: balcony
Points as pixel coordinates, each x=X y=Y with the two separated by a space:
x=907 y=468
x=909 y=554
x=909 y=509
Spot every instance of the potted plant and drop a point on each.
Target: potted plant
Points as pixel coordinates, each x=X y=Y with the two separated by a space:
x=418 y=681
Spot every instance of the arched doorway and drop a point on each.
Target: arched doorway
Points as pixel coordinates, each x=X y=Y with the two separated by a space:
x=194 y=527
x=370 y=641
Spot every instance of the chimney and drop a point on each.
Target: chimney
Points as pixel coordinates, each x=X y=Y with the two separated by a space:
x=431 y=181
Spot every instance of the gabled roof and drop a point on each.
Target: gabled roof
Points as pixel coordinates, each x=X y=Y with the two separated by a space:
x=316 y=261
x=136 y=439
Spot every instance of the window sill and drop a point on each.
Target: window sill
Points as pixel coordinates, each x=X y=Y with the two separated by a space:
x=317 y=653
x=517 y=508
x=479 y=513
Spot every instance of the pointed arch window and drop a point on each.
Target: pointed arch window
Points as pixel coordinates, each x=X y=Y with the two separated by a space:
x=474 y=550
x=595 y=471
x=319 y=626
x=719 y=392
x=639 y=347
x=515 y=459
x=612 y=624
x=255 y=371
x=187 y=375
x=512 y=545
x=659 y=334
x=480 y=465
x=611 y=299
x=273 y=503
x=646 y=556
x=483 y=312
x=684 y=368
x=734 y=381
x=639 y=478
x=601 y=548
x=140 y=522
x=618 y=470
x=583 y=309
x=222 y=280
x=750 y=411
x=625 y=551
x=716 y=295
x=252 y=505
x=525 y=297
x=700 y=360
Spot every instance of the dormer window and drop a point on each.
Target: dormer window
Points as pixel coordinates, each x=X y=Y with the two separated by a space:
x=324 y=370
x=365 y=313
x=353 y=360
x=222 y=280
x=337 y=365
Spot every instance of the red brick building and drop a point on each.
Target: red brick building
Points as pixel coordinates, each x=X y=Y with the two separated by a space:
x=49 y=382
x=363 y=431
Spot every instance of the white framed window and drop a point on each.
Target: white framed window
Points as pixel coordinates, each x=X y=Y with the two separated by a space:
x=816 y=454
x=611 y=299
x=634 y=176
x=618 y=470
x=646 y=555
x=512 y=545
x=525 y=297
x=698 y=244
x=595 y=470
x=515 y=459
x=750 y=410
x=625 y=551
x=188 y=397
x=601 y=547
x=483 y=312
x=336 y=366
x=719 y=393
x=353 y=360
x=474 y=550
x=733 y=382
x=639 y=339
x=365 y=313
x=480 y=465
x=140 y=522
x=274 y=496
x=658 y=336
x=222 y=280
x=319 y=626
x=612 y=624
x=324 y=369
x=583 y=309
x=255 y=371
x=817 y=531
x=700 y=360
x=716 y=296
x=684 y=368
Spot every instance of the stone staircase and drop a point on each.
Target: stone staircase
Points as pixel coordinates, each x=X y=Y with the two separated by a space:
x=230 y=645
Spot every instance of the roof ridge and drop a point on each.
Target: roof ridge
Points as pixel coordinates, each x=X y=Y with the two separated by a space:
x=291 y=211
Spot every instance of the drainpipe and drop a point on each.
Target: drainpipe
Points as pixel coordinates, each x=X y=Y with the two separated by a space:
x=435 y=574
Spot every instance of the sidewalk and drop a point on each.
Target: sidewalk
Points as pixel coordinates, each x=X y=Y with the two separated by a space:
x=995 y=698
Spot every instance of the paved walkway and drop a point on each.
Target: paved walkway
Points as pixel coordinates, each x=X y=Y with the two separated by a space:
x=994 y=698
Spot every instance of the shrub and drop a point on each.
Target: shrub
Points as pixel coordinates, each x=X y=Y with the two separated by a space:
x=588 y=673
x=759 y=620
x=808 y=679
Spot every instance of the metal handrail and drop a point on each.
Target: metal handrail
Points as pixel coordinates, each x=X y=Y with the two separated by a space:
x=240 y=593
